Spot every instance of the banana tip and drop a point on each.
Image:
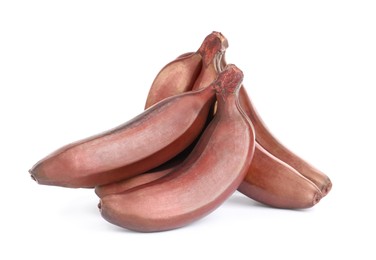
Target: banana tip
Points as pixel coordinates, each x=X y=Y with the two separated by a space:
x=327 y=188
x=317 y=198
x=32 y=176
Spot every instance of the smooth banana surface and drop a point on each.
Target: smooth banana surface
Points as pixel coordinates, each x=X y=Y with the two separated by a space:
x=146 y=177
x=181 y=74
x=275 y=183
x=209 y=175
x=269 y=181
x=199 y=139
x=148 y=140
x=267 y=140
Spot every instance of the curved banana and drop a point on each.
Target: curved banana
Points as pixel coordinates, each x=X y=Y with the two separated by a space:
x=275 y=183
x=180 y=75
x=307 y=193
x=148 y=140
x=146 y=177
x=269 y=181
x=209 y=175
x=267 y=140
x=138 y=180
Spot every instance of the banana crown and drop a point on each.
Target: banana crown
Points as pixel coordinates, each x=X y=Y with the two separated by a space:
x=228 y=81
x=213 y=44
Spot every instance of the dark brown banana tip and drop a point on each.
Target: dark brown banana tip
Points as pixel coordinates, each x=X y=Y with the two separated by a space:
x=327 y=188
x=316 y=199
x=32 y=176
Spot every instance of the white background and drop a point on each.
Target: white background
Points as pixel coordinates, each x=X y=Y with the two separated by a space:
x=70 y=69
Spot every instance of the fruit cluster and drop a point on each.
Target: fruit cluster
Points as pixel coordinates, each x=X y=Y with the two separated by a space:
x=198 y=141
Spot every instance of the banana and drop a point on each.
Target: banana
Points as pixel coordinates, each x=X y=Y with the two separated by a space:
x=255 y=185
x=138 y=180
x=266 y=139
x=209 y=175
x=264 y=136
x=210 y=54
x=275 y=183
x=269 y=181
x=148 y=140
x=180 y=75
x=146 y=177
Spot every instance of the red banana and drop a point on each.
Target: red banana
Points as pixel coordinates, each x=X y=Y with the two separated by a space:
x=275 y=183
x=146 y=141
x=265 y=138
x=146 y=177
x=209 y=175
x=181 y=74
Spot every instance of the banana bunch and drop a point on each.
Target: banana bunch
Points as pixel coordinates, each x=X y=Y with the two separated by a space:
x=198 y=140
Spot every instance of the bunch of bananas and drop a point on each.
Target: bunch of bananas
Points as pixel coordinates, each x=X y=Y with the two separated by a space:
x=198 y=141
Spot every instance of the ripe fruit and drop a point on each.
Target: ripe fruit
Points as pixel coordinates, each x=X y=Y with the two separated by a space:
x=148 y=140
x=181 y=74
x=209 y=175
x=266 y=139
x=275 y=183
